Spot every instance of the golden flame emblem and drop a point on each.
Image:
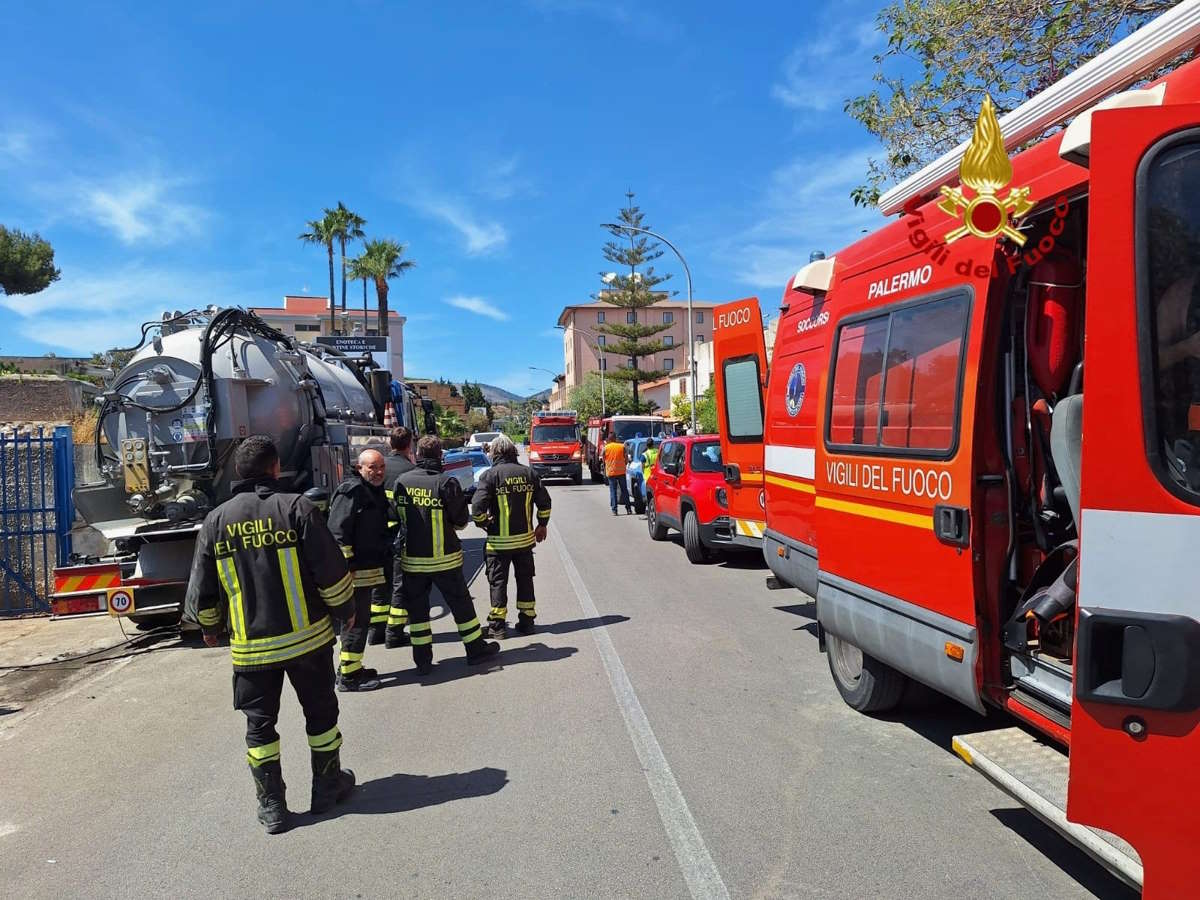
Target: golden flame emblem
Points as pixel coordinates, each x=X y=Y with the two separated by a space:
x=986 y=169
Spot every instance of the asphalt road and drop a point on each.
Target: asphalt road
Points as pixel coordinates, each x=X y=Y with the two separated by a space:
x=670 y=731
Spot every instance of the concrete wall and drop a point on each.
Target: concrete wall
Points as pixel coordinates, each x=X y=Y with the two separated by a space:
x=39 y=398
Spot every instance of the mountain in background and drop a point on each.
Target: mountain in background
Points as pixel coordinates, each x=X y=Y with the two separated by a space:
x=493 y=394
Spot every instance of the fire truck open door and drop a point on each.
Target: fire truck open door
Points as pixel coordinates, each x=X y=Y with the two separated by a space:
x=1135 y=721
x=740 y=371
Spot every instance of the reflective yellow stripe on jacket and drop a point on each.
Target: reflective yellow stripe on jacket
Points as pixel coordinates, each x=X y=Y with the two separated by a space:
x=431 y=563
x=512 y=542
x=369 y=577
x=233 y=590
x=338 y=593
x=265 y=651
x=293 y=587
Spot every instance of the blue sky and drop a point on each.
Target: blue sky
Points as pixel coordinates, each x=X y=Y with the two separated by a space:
x=172 y=153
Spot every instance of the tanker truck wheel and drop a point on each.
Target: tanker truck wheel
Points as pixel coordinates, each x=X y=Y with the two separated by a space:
x=865 y=683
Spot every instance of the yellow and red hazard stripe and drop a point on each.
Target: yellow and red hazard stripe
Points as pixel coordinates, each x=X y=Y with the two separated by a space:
x=86 y=578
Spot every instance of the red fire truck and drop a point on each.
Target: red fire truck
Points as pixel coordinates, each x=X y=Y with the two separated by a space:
x=981 y=456
x=555 y=450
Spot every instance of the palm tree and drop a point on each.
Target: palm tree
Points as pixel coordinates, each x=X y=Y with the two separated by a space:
x=347 y=227
x=324 y=231
x=383 y=261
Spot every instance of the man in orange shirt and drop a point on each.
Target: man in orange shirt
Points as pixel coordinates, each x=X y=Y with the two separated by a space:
x=614 y=471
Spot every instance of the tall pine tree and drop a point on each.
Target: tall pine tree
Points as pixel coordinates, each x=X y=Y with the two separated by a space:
x=632 y=288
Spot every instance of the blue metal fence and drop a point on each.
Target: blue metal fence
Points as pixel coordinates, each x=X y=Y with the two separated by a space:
x=37 y=473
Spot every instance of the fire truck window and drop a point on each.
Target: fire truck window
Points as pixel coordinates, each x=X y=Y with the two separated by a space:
x=854 y=415
x=543 y=433
x=743 y=399
x=1170 y=222
x=921 y=379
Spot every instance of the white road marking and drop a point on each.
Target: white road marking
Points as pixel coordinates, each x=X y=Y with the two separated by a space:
x=697 y=866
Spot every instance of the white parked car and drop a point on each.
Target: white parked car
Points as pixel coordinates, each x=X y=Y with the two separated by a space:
x=479 y=438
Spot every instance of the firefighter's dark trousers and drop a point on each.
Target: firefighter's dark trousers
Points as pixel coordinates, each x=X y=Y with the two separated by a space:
x=452 y=584
x=354 y=640
x=256 y=693
x=381 y=598
x=397 y=617
x=496 y=566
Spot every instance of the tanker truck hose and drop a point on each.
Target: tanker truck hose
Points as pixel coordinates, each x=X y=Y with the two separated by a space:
x=220 y=330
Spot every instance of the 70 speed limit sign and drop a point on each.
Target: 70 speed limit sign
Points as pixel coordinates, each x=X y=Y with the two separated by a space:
x=120 y=601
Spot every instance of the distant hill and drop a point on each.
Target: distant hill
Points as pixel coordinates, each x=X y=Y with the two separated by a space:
x=540 y=396
x=493 y=394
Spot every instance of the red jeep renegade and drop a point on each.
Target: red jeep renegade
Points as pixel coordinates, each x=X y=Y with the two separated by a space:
x=686 y=491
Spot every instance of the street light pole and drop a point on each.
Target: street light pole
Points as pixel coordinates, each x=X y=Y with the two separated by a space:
x=691 y=318
x=599 y=361
x=553 y=375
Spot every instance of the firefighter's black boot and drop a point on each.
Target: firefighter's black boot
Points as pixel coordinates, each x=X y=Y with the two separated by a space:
x=272 y=797
x=331 y=783
x=375 y=634
x=479 y=651
x=524 y=625
x=495 y=629
x=395 y=637
x=423 y=658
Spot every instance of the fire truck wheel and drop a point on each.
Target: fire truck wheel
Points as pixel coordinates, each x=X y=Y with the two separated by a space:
x=865 y=683
x=692 y=545
x=658 y=531
x=577 y=479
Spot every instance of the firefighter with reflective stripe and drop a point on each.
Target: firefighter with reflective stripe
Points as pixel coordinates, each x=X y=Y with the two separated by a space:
x=432 y=508
x=399 y=461
x=267 y=569
x=504 y=506
x=358 y=516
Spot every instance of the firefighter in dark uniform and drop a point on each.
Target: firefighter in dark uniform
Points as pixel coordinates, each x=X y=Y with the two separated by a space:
x=358 y=517
x=504 y=501
x=432 y=509
x=267 y=569
x=391 y=633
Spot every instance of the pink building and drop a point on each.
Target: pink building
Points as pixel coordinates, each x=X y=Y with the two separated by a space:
x=581 y=335
x=307 y=317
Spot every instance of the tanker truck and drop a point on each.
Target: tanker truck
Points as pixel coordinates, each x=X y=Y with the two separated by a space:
x=169 y=421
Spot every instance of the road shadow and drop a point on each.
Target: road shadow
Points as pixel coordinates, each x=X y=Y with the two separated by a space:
x=450 y=670
x=565 y=627
x=747 y=560
x=402 y=792
x=473 y=556
x=806 y=610
x=1090 y=875
x=9 y=710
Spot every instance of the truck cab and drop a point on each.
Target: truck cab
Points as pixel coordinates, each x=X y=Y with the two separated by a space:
x=555 y=450
x=981 y=457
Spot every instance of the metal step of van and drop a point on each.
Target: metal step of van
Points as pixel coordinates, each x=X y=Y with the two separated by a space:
x=1035 y=773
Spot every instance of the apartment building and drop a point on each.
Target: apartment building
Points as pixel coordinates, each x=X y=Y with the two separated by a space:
x=308 y=317
x=582 y=337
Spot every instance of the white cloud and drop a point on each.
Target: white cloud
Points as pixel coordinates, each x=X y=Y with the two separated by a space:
x=140 y=209
x=481 y=236
x=15 y=146
x=502 y=180
x=479 y=306
x=806 y=206
x=821 y=74
x=114 y=303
